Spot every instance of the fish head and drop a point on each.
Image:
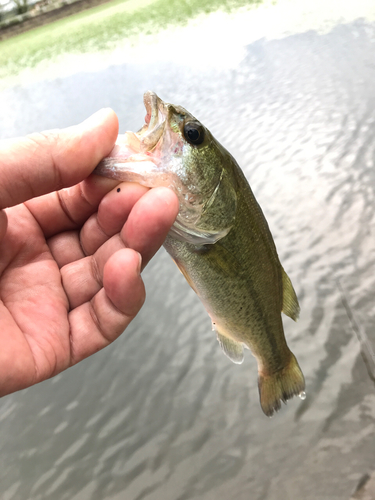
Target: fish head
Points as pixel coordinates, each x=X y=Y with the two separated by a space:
x=174 y=149
x=181 y=145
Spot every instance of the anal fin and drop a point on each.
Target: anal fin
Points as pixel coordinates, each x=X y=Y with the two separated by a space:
x=231 y=348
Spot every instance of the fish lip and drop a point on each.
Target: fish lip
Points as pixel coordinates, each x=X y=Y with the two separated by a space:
x=155 y=120
x=157 y=110
x=150 y=103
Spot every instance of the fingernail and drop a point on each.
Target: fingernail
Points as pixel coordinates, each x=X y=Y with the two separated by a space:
x=97 y=118
x=3 y=224
x=139 y=268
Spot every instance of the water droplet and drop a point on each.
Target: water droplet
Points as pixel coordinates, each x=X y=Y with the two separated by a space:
x=302 y=395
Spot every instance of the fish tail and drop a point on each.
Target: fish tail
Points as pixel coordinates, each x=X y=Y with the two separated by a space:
x=280 y=386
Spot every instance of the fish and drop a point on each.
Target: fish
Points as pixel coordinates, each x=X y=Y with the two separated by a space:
x=220 y=241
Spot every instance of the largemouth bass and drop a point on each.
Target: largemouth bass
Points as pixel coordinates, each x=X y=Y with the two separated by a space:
x=220 y=241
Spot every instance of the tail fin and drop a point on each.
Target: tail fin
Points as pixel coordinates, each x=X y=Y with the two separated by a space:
x=280 y=386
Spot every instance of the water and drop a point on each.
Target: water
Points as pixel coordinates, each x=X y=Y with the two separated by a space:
x=162 y=413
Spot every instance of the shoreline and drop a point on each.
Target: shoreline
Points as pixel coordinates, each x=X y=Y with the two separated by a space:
x=19 y=24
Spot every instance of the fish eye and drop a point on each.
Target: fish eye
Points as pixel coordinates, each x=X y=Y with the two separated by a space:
x=194 y=133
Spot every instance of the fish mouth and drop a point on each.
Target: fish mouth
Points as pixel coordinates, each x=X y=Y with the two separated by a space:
x=156 y=116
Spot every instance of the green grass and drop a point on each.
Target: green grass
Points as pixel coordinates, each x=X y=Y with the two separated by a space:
x=101 y=27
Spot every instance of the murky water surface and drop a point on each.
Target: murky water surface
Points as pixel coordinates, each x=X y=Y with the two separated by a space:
x=162 y=414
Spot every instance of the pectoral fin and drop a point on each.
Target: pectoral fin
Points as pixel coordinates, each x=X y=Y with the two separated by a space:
x=290 y=302
x=231 y=348
x=185 y=275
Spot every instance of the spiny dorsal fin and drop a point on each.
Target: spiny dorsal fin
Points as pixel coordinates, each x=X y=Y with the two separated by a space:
x=231 y=348
x=290 y=301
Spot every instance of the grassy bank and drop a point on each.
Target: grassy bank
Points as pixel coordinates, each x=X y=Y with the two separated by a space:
x=100 y=27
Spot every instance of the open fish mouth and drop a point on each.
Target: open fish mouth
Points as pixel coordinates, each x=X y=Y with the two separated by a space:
x=156 y=116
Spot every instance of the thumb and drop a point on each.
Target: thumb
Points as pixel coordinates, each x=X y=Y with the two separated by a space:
x=44 y=162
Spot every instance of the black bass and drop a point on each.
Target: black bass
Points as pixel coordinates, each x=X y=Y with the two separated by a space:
x=220 y=241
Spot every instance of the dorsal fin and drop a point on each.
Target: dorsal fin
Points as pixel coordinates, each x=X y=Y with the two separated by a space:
x=290 y=302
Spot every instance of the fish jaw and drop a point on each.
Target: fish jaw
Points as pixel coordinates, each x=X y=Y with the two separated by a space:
x=143 y=156
x=152 y=142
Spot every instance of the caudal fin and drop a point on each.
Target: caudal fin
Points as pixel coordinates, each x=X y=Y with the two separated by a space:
x=280 y=386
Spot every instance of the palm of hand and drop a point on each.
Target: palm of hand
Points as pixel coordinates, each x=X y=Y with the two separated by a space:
x=62 y=295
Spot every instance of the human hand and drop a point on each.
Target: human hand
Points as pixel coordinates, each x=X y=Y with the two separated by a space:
x=70 y=260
